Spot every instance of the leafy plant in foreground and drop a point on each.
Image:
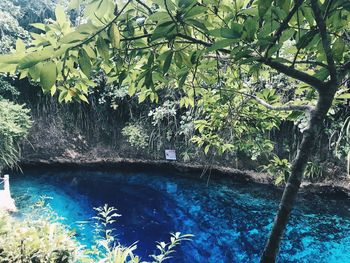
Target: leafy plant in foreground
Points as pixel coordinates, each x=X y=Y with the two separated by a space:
x=110 y=250
x=41 y=238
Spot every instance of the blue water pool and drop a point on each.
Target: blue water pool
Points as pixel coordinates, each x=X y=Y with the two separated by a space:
x=230 y=220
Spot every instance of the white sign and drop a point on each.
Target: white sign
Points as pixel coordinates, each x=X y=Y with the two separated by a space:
x=170 y=155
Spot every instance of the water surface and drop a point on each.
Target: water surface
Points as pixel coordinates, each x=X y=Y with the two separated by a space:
x=230 y=220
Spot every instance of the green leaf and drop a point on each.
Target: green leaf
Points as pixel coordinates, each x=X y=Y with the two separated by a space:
x=338 y=49
x=178 y=59
x=48 y=75
x=287 y=34
x=186 y=3
x=131 y=90
x=250 y=26
x=167 y=62
x=60 y=15
x=234 y=32
x=62 y=95
x=73 y=37
x=198 y=24
x=35 y=57
x=91 y=53
x=142 y=96
x=84 y=62
x=8 y=68
x=35 y=71
x=306 y=39
x=39 y=26
x=308 y=14
x=82 y=97
x=159 y=16
x=74 y=4
x=263 y=6
x=196 y=11
x=322 y=74
x=284 y=5
x=206 y=149
x=344 y=96
x=183 y=79
x=102 y=48
x=164 y=30
x=53 y=90
x=115 y=36
x=221 y=44
x=20 y=47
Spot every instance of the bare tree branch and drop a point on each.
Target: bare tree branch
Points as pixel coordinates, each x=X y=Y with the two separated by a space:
x=278 y=108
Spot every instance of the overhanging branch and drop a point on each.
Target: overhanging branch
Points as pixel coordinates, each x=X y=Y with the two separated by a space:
x=294 y=73
x=289 y=71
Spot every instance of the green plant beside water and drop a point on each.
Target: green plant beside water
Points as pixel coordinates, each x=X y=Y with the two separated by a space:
x=43 y=239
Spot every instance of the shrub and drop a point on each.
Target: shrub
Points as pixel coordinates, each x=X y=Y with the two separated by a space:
x=36 y=240
x=42 y=239
x=136 y=135
x=14 y=125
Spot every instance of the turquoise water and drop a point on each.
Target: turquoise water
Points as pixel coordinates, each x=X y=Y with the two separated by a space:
x=230 y=220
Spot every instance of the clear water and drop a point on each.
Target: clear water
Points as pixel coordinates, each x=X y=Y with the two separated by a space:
x=230 y=220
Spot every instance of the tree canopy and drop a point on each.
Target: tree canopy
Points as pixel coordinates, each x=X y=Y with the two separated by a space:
x=240 y=57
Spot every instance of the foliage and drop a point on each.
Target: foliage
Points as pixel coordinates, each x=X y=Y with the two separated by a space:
x=217 y=63
x=42 y=238
x=14 y=125
x=342 y=145
x=9 y=25
x=167 y=249
x=166 y=111
x=108 y=249
x=106 y=216
x=36 y=240
x=313 y=171
x=279 y=169
x=136 y=135
x=7 y=91
x=16 y=17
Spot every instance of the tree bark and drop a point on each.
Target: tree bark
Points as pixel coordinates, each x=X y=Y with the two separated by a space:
x=289 y=196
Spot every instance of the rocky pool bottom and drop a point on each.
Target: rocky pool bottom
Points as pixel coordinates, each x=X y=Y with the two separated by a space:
x=230 y=220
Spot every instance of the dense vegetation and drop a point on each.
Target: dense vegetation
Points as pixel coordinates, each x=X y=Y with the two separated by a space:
x=260 y=80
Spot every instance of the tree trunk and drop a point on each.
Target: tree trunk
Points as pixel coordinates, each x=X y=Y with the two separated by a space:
x=293 y=184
